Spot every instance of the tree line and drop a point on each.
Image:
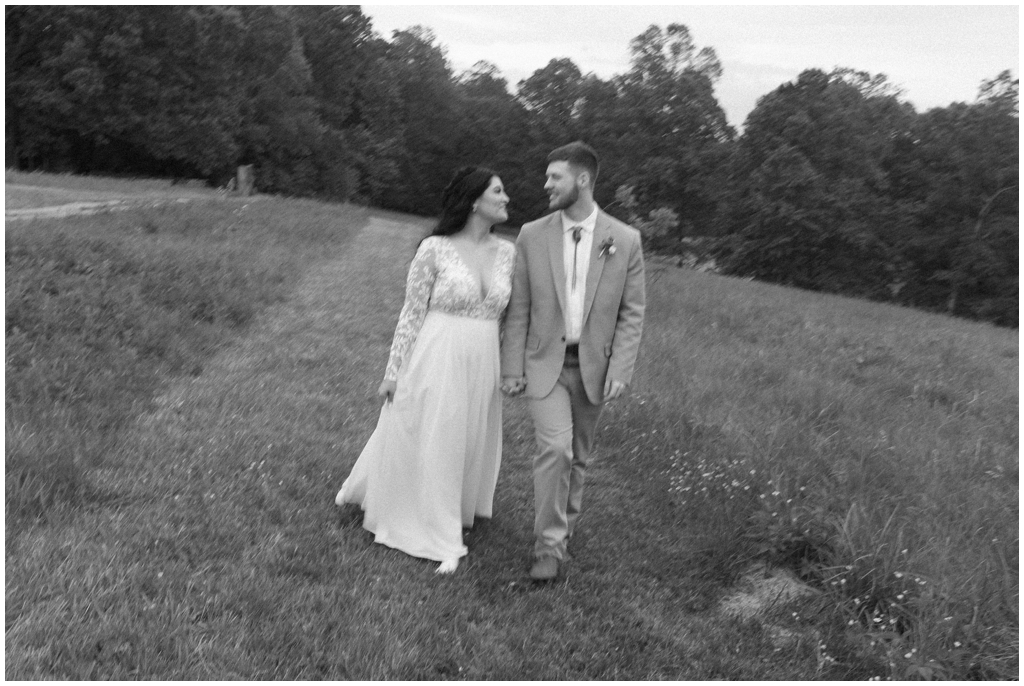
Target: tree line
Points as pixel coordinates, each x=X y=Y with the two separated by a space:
x=835 y=184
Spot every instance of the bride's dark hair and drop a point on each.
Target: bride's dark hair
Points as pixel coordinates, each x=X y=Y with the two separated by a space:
x=468 y=184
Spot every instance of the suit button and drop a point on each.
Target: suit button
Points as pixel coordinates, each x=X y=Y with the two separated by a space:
x=563 y=339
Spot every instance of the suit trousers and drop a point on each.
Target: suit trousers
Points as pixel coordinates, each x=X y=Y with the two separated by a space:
x=565 y=422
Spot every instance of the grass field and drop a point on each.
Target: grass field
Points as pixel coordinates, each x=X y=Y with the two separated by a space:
x=32 y=189
x=188 y=386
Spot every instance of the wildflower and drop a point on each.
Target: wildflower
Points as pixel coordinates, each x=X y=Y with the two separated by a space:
x=956 y=644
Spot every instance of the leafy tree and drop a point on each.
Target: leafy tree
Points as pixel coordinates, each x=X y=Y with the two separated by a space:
x=284 y=133
x=426 y=118
x=961 y=171
x=551 y=96
x=334 y=43
x=494 y=128
x=669 y=125
x=90 y=87
x=550 y=99
x=338 y=45
x=810 y=205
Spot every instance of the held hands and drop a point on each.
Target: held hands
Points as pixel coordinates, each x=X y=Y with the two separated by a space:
x=513 y=386
x=387 y=389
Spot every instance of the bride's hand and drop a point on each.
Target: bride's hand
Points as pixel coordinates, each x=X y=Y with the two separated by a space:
x=387 y=389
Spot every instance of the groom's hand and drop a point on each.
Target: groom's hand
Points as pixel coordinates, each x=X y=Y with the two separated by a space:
x=613 y=389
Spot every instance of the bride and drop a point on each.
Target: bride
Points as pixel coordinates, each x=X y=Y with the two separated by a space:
x=431 y=465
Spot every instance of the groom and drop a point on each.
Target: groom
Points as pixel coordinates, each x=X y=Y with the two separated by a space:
x=572 y=330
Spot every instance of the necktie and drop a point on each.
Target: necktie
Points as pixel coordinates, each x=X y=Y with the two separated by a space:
x=576 y=231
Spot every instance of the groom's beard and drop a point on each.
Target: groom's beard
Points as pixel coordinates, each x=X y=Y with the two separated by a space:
x=564 y=201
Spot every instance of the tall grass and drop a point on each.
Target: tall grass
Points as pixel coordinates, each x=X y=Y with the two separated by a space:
x=872 y=449
x=102 y=310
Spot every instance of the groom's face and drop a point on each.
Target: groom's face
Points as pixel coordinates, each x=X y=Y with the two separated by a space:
x=562 y=185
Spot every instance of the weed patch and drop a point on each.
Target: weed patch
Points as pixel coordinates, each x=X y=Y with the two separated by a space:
x=866 y=448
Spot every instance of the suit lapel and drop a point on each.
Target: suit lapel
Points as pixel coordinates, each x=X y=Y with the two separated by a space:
x=601 y=233
x=556 y=251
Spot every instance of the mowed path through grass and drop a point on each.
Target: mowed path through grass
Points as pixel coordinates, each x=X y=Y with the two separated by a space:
x=213 y=549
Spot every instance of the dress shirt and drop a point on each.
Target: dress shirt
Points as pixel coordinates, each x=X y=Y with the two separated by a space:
x=574 y=296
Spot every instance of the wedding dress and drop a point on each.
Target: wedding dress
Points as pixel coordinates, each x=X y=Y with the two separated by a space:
x=431 y=464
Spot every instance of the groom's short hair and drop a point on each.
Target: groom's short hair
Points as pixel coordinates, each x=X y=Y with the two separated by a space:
x=578 y=154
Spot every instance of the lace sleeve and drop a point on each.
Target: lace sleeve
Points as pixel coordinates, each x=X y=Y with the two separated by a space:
x=511 y=249
x=422 y=273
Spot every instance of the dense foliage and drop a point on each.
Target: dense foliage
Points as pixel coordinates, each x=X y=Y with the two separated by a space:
x=835 y=184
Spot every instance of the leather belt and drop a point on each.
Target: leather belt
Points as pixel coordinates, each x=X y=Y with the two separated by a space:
x=572 y=355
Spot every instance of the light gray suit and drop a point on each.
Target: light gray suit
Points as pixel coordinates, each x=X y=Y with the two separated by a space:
x=565 y=401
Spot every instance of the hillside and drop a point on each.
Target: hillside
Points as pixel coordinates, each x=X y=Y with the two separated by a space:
x=188 y=385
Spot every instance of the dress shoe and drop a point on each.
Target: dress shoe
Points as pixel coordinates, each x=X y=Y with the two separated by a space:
x=544 y=569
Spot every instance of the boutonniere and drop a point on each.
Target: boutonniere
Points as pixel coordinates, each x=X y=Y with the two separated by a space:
x=607 y=247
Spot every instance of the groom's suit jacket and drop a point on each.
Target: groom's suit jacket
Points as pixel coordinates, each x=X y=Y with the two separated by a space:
x=613 y=308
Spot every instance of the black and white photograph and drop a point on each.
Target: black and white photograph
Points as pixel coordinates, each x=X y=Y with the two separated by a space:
x=480 y=342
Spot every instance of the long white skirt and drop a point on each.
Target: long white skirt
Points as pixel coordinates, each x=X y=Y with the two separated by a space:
x=431 y=465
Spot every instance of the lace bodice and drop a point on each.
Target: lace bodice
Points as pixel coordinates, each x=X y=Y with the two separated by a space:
x=440 y=280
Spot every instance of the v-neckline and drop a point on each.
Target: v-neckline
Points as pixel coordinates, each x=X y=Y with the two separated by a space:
x=479 y=281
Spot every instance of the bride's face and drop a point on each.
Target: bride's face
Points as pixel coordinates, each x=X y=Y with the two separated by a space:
x=493 y=204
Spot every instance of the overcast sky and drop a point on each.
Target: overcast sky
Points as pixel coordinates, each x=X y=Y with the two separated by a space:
x=937 y=54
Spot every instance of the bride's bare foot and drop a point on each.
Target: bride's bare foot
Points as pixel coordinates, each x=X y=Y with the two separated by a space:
x=448 y=566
